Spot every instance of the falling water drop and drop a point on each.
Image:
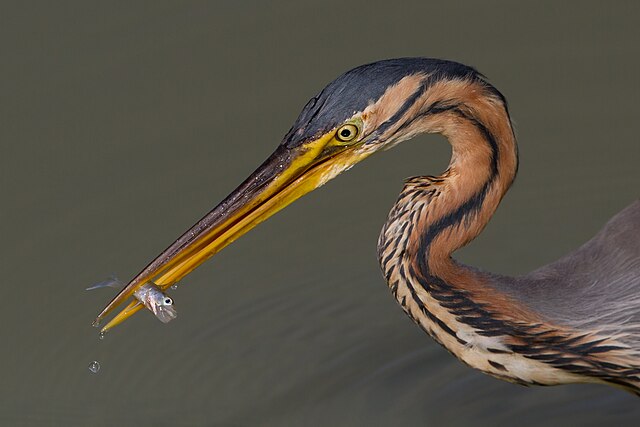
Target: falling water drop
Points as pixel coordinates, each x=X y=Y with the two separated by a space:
x=94 y=366
x=174 y=286
x=96 y=323
x=102 y=335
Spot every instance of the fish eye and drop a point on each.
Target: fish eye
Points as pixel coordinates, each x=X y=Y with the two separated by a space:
x=168 y=301
x=347 y=132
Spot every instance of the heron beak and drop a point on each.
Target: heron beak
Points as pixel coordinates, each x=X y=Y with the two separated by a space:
x=288 y=174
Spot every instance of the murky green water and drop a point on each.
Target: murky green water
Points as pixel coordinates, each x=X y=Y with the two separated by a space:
x=123 y=124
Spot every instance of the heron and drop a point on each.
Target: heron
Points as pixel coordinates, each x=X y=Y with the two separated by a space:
x=576 y=320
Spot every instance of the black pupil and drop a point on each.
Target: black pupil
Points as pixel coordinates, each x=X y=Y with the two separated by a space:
x=167 y=301
x=345 y=133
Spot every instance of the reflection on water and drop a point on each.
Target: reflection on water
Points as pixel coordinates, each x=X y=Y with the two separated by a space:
x=124 y=126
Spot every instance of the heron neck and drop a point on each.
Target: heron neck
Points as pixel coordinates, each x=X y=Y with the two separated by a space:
x=483 y=165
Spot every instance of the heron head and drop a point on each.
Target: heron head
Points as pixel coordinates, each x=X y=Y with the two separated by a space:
x=366 y=109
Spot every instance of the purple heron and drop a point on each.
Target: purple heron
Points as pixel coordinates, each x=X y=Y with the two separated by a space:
x=574 y=320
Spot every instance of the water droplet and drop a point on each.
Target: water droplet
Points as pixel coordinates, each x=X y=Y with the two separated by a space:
x=174 y=286
x=102 y=335
x=94 y=366
x=96 y=323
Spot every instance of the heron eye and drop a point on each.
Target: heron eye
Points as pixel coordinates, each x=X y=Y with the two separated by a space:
x=168 y=301
x=347 y=133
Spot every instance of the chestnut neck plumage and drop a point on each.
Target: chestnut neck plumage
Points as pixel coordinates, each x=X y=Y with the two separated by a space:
x=460 y=306
x=434 y=216
x=456 y=206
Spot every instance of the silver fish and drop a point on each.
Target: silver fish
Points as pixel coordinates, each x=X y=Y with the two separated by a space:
x=156 y=301
x=149 y=294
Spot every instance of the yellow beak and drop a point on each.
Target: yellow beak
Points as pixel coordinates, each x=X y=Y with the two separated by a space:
x=288 y=174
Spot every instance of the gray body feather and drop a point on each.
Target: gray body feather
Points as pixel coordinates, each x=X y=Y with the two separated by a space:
x=594 y=288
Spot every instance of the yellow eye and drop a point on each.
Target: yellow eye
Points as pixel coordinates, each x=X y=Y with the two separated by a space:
x=347 y=133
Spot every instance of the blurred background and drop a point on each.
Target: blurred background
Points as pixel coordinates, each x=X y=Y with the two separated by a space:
x=125 y=122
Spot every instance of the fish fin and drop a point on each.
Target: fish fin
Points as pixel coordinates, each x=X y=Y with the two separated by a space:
x=111 y=282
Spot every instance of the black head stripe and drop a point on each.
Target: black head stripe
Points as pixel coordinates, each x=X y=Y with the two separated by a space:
x=357 y=88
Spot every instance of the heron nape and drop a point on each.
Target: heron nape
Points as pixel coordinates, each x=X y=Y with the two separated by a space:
x=574 y=320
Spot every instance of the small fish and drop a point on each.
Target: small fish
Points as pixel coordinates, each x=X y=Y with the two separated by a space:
x=157 y=301
x=149 y=294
